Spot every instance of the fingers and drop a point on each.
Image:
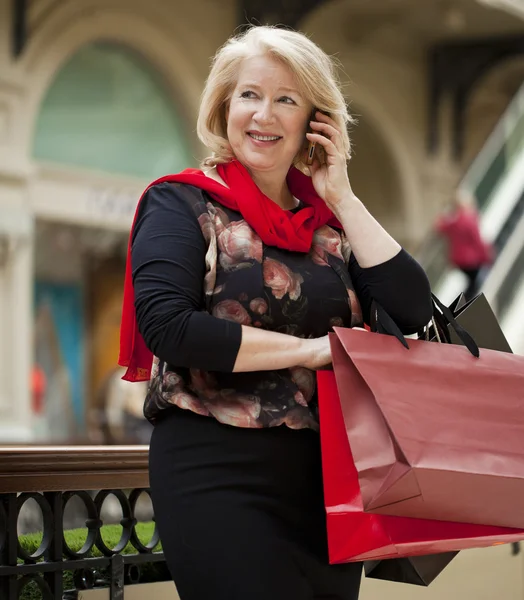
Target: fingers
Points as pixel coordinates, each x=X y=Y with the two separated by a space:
x=329 y=131
x=322 y=118
x=326 y=143
x=314 y=166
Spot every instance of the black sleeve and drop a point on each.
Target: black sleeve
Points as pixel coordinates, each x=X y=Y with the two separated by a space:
x=399 y=285
x=168 y=262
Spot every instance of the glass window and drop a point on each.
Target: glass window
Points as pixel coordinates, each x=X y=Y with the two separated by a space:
x=106 y=110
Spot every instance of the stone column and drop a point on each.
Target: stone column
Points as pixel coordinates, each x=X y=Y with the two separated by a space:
x=16 y=324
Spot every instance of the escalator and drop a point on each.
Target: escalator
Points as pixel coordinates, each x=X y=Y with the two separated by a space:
x=496 y=179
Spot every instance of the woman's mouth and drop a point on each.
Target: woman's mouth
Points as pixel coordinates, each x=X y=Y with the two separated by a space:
x=263 y=139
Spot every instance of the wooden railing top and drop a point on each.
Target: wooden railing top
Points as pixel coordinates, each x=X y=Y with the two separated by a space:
x=72 y=468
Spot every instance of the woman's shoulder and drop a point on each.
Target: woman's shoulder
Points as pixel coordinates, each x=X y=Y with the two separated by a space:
x=172 y=188
x=183 y=204
x=181 y=183
x=174 y=208
x=172 y=195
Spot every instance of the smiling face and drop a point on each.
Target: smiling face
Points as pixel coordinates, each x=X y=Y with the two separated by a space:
x=267 y=116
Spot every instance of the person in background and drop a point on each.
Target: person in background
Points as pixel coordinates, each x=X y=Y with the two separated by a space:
x=38 y=389
x=466 y=249
x=236 y=274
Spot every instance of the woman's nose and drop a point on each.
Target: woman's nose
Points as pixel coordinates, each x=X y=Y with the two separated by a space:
x=264 y=113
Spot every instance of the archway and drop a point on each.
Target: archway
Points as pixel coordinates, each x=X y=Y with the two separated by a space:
x=107 y=110
x=107 y=114
x=375 y=178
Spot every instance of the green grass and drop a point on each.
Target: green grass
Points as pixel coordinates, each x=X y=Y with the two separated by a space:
x=75 y=539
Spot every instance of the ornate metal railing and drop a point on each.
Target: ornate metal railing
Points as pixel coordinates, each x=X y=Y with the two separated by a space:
x=90 y=475
x=53 y=477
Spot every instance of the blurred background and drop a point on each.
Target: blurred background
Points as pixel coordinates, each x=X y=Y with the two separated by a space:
x=99 y=97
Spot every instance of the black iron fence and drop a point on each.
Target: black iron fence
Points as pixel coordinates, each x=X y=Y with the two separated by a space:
x=48 y=565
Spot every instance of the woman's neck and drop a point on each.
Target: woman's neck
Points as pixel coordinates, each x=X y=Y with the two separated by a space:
x=275 y=188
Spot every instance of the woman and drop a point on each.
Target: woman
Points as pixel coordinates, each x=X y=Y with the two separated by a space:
x=238 y=274
x=467 y=250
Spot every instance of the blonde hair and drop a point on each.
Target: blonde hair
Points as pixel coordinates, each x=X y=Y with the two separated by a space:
x=314 y=71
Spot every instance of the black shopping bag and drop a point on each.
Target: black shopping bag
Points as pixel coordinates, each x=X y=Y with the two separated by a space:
x=476 y=317
x=417 y=570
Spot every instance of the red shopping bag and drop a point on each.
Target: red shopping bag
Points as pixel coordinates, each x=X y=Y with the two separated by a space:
x=354 y=535
x=444 y=428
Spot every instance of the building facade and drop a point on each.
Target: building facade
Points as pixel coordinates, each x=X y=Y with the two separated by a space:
x=97 y=98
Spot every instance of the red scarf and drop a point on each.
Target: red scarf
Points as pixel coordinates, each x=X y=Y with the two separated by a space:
x=275 y=226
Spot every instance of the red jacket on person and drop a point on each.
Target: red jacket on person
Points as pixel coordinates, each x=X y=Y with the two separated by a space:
x=467 y=249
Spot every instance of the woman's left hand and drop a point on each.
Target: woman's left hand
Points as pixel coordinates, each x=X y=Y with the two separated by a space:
x=331 y=179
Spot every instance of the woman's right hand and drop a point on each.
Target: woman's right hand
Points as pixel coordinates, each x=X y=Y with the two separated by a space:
x=318 y=353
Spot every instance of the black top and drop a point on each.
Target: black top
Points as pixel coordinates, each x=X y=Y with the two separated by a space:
x=200 y=272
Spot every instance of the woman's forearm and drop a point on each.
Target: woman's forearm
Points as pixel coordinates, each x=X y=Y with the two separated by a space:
x=262 y=350
x=370 y=242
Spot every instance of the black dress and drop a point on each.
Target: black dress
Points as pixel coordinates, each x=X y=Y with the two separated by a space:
x=235 y=466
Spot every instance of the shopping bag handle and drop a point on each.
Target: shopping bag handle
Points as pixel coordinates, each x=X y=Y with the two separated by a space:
x=381 y=322
x=464 y=336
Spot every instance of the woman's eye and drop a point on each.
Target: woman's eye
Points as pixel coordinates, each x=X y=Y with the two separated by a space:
x=287 y=100
x=247 y=94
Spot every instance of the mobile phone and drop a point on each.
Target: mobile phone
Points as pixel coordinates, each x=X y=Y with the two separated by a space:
x=310 y=153
x=311 y=148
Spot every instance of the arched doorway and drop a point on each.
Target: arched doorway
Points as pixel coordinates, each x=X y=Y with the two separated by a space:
x=107 y=117
x=107 y=110
x=375 y=179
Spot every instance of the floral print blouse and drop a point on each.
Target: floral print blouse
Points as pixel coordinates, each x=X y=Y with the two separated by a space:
x=200 y=272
